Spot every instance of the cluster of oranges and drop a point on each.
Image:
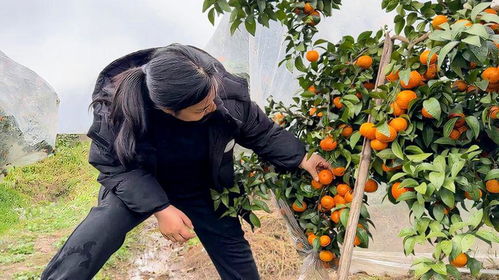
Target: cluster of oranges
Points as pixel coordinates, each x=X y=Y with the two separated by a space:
x=379 y=141
x=438 y=20
x=311 y=15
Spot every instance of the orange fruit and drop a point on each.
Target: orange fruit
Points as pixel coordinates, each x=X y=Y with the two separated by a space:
x=335 y=216
x=312 y=111
x=460 y=261
x=462 y=129
x=384 y=138
x=346 y=130
x=399 y=124
x=325 y=240
x=368 y=130
x=339 y=171
x=312 y=55
x=279 y=118
x=311 y=238
x=356 y=241
x=359 y=95
x=298 y=208
x=389 y=169
x=369 y=85
x=460 y=85
x=328 y=144
x=316 y=184
x=327 y=202
x=337 y=102
x=348 y=197
x=360 y=226
x=371 y=186
x=405 y=97
x=461 y=121
x=468 y=195
x=493 y=87
x=492 y=186
x=397 y=111
x=431 y=72
x=423 y=57
x=397 y=191
x=426 y=114
x=393 y=76
x=490 y=11
x=308 y=8
x=467 y=23
x=320 y=114
x=454 y=134
x=437 y=20
x=312 y=89
x=493 y=112
x=491 y=74
x=326 y=256
x=473 y=65
x=471 y=88
x=378 y=145
x=326 y=177
x=364 y=61
x=415 y=80
x=338 y=199
x=342 y=189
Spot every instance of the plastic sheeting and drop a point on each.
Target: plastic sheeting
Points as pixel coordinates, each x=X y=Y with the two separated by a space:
x=257 y=58
x=28 y=115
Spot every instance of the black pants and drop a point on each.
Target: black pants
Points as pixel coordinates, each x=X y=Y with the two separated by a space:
x=103 y=232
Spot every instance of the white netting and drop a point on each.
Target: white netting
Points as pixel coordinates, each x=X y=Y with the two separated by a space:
x=28 y=114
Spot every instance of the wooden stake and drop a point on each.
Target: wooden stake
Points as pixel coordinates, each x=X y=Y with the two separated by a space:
x=363 y=172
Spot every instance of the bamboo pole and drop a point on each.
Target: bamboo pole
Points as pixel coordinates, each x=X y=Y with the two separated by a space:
x=358 y=191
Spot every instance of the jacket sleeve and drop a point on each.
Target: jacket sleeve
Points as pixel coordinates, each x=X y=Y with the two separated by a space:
x=268 y=140
x=136 y=187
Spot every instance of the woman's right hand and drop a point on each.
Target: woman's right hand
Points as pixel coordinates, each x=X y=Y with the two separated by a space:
x=174 y=225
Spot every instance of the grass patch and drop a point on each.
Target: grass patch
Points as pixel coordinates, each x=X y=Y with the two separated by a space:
x=49 y=199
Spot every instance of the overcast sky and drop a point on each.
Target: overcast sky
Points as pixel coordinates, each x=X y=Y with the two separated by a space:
x=68 y=42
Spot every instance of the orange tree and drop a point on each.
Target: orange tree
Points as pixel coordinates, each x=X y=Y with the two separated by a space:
x=434 y=134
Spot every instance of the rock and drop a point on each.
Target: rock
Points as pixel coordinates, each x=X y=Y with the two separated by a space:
x=28 y=115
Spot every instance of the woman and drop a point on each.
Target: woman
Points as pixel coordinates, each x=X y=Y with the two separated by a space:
x=165 y=123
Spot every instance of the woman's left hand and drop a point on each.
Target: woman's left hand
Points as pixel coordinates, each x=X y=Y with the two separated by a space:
x=314 y=163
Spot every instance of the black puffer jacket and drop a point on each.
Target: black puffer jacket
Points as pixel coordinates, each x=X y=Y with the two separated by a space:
x=238 y=120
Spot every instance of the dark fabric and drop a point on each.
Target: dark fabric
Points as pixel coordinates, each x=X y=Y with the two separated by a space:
x=236 y=118
x=183 y=167
x=104 y=229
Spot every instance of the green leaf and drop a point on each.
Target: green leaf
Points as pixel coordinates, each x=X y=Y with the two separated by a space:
x=447 y=197
x=419 y=157
x=438 y=212
x=439 y=268
x=417 y=209
x=456 y=226
x=399 y=23
x=383 y=129
x=254 y=220
x=409 y=245
x=421 y=268
x=437 y=179
x=405 y=75
x=473 y=123
x=354 y=138
x=444 y=51
x=223 y=4
x=433 y=107
x=477 y=9
x=456 y=167
x=250 y=24
x=207 y=4
x=467 y=241
x=488 y=235
x=472 y=40
x=476 y=218
x=492 y=174
x=299 y=65
x=446 y=246
x=479 y=30
x=344 y=217
x=474 y=266
x=397 y=150
x=211 y=16
x=421 y=188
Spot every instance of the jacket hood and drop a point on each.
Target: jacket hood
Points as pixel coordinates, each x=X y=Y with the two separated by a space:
x=104 y=87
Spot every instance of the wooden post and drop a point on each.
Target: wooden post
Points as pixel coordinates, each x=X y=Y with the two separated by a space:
x=358 y=191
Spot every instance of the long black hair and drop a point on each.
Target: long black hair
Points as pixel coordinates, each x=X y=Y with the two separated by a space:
x=176 y=77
